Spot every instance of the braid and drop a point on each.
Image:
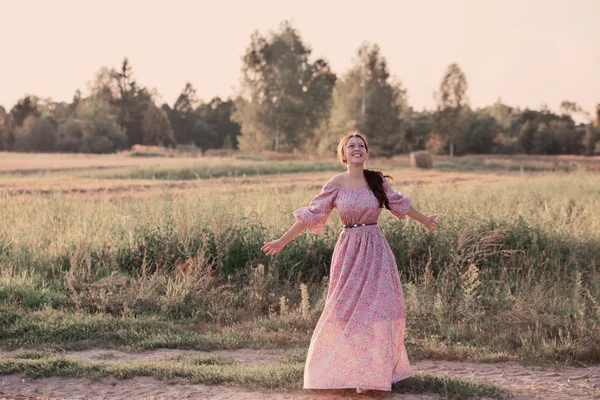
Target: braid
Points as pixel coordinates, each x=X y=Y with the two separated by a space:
x=375 y=182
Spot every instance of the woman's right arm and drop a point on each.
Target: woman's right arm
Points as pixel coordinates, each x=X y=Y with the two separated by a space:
x=312 y=217
x=275 y=246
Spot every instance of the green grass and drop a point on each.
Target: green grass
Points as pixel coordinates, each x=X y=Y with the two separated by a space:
x=511 y=273
x=220 y=168
x=451 y=388
x=204 y=370
x=65 y=330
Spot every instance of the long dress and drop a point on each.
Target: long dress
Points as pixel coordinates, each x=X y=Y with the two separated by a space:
x=359 y=339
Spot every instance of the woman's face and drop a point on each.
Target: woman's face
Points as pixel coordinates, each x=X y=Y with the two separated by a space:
x=355 y=151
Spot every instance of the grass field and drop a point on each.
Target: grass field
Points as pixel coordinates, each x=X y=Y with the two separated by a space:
x=154 y=252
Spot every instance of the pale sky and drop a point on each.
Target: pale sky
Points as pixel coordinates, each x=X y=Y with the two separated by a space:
x=526 y=52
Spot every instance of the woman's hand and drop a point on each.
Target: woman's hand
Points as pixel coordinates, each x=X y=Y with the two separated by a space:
x=273 y=247
x=430 y=223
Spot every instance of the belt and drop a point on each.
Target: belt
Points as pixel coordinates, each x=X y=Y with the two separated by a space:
x=358 y=225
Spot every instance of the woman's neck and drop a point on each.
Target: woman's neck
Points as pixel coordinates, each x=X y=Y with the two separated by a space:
x=356 y=171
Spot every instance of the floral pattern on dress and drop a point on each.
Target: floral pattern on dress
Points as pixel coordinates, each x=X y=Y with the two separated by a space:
x=358 y=341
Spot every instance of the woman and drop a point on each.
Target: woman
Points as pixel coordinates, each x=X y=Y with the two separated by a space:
x=359 y=339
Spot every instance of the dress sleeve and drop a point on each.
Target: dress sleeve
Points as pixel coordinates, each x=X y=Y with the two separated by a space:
x=319 y=209
x=399 y=202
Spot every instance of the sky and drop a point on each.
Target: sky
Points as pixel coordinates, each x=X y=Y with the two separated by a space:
x=526 y=53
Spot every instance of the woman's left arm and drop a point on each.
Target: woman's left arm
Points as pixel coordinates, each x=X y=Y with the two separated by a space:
x=400 y=206
x=428 y=222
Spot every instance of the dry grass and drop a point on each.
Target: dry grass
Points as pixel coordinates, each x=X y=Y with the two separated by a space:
x=511 y=273
x=35 y=162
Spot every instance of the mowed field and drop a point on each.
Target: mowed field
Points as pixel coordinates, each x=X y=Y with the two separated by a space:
x=149 y=269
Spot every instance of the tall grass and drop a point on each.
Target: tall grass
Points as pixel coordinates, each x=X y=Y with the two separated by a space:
x=512 y=272
x=220 y=167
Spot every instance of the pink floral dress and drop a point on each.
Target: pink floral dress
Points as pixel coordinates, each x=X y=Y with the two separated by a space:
x=359 y=339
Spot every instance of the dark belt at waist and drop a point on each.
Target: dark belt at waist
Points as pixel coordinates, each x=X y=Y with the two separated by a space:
x=359 y=225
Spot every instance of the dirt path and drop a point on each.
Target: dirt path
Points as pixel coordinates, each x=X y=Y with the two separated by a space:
x=531 y=382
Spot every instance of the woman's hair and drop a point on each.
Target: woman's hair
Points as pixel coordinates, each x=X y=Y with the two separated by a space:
x=374 y=178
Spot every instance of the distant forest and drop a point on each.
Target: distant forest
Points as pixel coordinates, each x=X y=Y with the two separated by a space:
x=290 y=102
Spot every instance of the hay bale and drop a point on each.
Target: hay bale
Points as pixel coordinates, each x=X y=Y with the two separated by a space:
x=421 y=159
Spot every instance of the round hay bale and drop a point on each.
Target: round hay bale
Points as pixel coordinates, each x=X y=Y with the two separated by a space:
x=421 y=159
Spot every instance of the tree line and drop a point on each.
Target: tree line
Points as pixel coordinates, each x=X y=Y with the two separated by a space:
x=289 y=102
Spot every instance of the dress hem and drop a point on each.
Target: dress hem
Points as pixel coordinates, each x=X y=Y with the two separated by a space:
x=366 y=387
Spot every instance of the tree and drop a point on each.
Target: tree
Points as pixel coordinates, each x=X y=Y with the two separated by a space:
x=204 y=136
x=502 y=113
x=476 y=134
x=217 y=115
x=366 y=99
x=4 y=145
x=591 y=140
x=545 y=140
x=60 y=110
x=574 y=111
x=542 y=132
x=182 y=116
x=70 y=136
x=569 y=107
x=103 y=136
x=131 y=103
x=105 y=85
x=157 y=129
x=25 y=107
x=43 y=134
x=101 y=131
x=187 y=100
x=21 y=140
x=284 y=97
x=451 y=101
x=419 y=127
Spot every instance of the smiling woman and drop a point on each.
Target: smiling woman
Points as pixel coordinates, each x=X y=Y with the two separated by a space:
x=359 y=339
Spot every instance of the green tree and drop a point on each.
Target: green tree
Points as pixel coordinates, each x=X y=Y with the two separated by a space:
x=451 y=101
x=591 y=140
x=542 y=132
x=60 y=110
x=157 y=129
x=4 y=145
x=419 y=127
x=182 y=116
x=284 y=97
x=368 y=100
x=526 y=135
x=574 y=111
x=25 y=107
x=254 y=135
x=187 y=120
x=101 y=131
x=476 y=134
x=105 y=85
x=503 y=114
x=204 y=136
x=545 y=140
x=43 y=134
x=568 y=136
x=131 y=103
x=70 y=136
x=187 y=100
x=22 y=140
x=217 y=114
